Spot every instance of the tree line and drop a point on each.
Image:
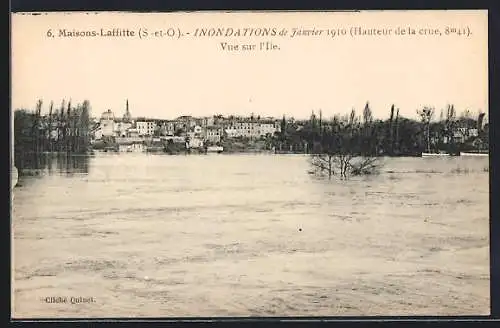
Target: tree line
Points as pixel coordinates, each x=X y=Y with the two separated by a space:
x=64 y=129
x=363 y=135
x=67 y=129
x=352 y=144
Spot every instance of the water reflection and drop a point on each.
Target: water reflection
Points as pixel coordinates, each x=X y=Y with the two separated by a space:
x=50 y=164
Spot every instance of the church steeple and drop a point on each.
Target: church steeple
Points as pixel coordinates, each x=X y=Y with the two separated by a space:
x=127 y=117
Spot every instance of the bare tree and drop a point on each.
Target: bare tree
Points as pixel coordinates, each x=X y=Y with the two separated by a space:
x=37 y=126
x=85 y=123
x=450 y=119
x=50 y=126
x=367 y=114
x=324 y=163
x=341 y=152
x=364 y=165
x=68 y=127
x=396 y=129
x=61 y=135
x=426 y=115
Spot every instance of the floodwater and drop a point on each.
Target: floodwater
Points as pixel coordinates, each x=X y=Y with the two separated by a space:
x=138 y=235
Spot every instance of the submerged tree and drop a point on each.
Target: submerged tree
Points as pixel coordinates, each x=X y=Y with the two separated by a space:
x=341 y=150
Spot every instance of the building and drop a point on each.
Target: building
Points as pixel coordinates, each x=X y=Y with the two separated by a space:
x=167 y=128
x=187 y=123
x=121 y=128
x=197 y=130
x=107 y=124
x=277 y=126
x=268 y=129
x=132 y=133
x=145 y=128
x=463 y=134
x=243 y=129
x=213 y=134
x=208 y=121
x=95 y=133
x=250 y=129
x=195 y=143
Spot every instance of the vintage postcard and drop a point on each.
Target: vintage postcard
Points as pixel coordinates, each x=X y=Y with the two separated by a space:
x=216 y=164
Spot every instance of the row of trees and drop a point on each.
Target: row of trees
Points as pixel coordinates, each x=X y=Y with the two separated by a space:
x=351 y=144
x=395 y=136
x=64 y=129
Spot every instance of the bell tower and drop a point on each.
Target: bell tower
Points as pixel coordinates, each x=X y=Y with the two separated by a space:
x=127 y=117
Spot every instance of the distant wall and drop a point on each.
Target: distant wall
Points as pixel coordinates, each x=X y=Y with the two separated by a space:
x=127 y=140
x=123 y=140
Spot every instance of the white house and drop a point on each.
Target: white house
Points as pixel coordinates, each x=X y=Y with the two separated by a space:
x=208 y=121
x=97 y=134
x=213 y=134
x=462 y=134
x=168 y=128
x=121 y=128
x=107 y=123
x=132 y=132
x=145 y=128
x=195 y=143
x=250 y=129
x=267 y=128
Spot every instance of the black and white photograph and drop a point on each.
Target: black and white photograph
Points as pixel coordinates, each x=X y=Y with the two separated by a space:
x=250 y=164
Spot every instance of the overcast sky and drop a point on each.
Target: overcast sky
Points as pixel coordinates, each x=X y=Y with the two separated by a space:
x=166 y=78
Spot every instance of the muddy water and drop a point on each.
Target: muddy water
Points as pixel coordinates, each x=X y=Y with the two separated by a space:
x=136 y=235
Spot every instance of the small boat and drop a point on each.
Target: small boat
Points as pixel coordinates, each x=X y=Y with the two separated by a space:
x=463 y=153
x=14 y=174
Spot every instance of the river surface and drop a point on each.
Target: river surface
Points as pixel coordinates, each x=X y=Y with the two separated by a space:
x=141 y=235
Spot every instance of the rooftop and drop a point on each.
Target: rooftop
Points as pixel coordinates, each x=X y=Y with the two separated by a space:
x=107 y=115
